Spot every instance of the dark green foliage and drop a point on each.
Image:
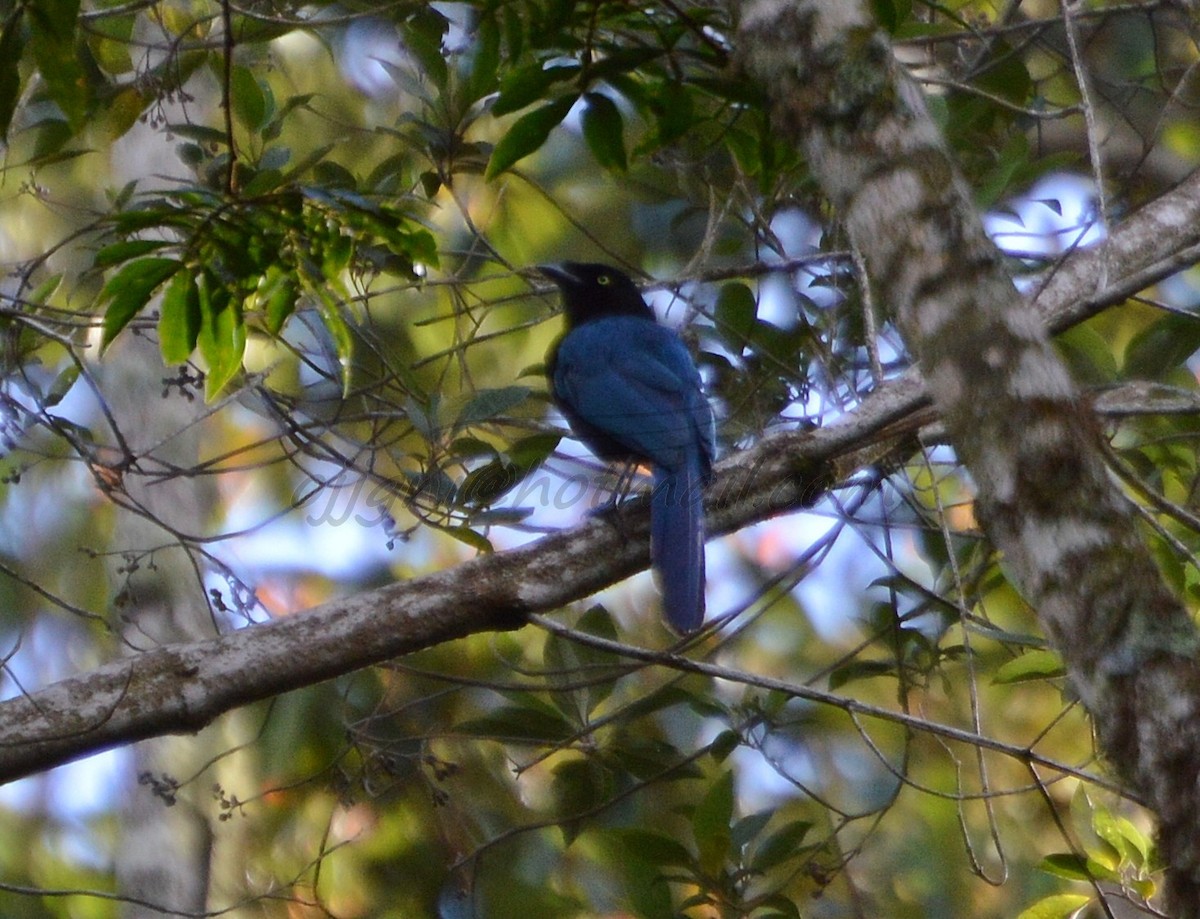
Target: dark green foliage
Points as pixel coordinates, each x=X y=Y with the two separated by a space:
x=604 y=131
x=1162 y=346
x=10 y=73
x=528 y=134
x=52 y=39
x=252 y=261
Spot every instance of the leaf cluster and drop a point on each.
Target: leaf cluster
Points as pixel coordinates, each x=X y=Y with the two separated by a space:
x=227 y=267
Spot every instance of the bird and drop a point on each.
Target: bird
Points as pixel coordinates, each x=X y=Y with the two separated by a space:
x=629 y=389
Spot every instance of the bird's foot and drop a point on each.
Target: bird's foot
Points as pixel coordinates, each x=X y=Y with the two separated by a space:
x=621 y=491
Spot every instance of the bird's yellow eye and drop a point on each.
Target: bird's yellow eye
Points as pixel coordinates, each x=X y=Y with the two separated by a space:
x=604 y=280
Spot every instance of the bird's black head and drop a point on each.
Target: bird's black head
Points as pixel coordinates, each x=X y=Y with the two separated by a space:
x=594 y=291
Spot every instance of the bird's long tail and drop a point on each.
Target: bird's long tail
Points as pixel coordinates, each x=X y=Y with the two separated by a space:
x=677 y=543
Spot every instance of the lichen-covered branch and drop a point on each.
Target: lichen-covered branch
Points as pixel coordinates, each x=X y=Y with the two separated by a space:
x=1008 y=404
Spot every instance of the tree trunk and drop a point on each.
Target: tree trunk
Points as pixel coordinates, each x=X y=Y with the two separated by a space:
x=1012 y=413
x=163 y=858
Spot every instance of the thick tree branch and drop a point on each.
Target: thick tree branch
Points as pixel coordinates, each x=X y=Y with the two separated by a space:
x=183 y=687
x=1008 y=405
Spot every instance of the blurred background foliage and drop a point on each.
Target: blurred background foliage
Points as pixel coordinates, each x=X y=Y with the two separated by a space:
x=323 y=218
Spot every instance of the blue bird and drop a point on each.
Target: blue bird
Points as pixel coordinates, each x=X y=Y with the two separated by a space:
x=630 y=391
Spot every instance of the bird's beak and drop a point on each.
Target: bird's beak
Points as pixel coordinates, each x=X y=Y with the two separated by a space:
x=558 y=274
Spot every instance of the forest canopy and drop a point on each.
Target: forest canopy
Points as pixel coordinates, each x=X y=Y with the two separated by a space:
x=297 y=552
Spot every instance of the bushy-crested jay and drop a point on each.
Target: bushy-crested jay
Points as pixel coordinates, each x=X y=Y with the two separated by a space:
x=630 y=391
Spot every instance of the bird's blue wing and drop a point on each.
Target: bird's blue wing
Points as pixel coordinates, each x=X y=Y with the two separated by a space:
x=635 y=382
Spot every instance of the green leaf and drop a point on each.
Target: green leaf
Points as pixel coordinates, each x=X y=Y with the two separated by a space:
x=674 y=111
x=275 y=126
x=483 y=485
x=247 y=97
x=514 y=31
x=470 y=447
x=782 y=346
x=562 y=669
x=711 y=821
x=741 y=92
x=641 y=854
x=578 y=786
x=1003 y=636
x=781 y=845
x=125 y=250
x=500 y=516
x=518 y=723
x=10 y=74
x=747 y=829
x=200 y=133
x=45 y=290
x=336 y=257
x=537 y=369
x=654 y=848
x=431 y=182
x=735 y=314
x=128 y=291
x=418 y=246
x=891 y=13
x=261 y=182
x=143 y=218
x=1088 y=355
x=724 y=744
x=1144 y=887
x=528 y=84
x=597 y=621
x=1141 y=843
x=109 y=40
x=485 y=61
x=528 y=134
x=1059 y=906
x=1032 y=665
x=860 y=670
x=513 y=897
x=746 y=150
x=423 y=37
x=532 y=451
x=488 y=403
x=997 y=182
x=179 y=322
x=665 y=697
x=62 y=385
x=52 y=40
x=333 y=175
x=1005 y=74
x=785 y=908
x=1066 y=865
x=604 y=131
x=339 y=330
x=1162 y=346
x=276 y=296
x=470 y=537
x=222 y=335
x=1119 y=833
x=644 y=758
